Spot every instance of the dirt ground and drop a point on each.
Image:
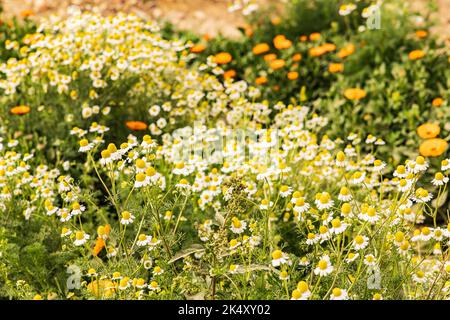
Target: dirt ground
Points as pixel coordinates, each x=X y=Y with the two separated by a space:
x=203 y=16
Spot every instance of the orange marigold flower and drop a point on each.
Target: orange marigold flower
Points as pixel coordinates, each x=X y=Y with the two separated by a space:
x=437 y=102
x=335 y=67
x=275 y=21
x=27 y=13
x=433 y=147
x=276 y=88
x=229 y=74
x=270 y=57
x=260 y=48
x=354 y=94
x=317 y=51
x=198 y=48
x=421 y=34
x=416 y=54
x=261 y=80
x=329 y=47
x=99 y=245
x=280 y=42
x=297 y=57
x=292 y=75
x=277 y=64
x=346 y=51
x=136 y=125
x=303 y=38
x=223 y=58
x=428 y=130
x=103 y=231
x=20 y=110
x=314 y=36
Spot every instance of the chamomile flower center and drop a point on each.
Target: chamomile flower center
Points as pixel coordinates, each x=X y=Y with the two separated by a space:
x=277 y=254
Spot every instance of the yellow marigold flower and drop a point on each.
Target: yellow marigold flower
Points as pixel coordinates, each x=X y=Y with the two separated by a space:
x=354 y=94
x=229 y=74
x=260 y=48
x=136 y=125
x=335 y=67
x=346 y=51
x=433 y=147
x=428 y=130
x=280 y=42
x=223 y=58
x=421 y=34
x=317 y=51
x=416 y=54
x=292 y=75
x=198 y=48
x=20 y=110
x=437 y=102
x=277 y=64
x=314 y=36
x=261 y=80
x=297 y=57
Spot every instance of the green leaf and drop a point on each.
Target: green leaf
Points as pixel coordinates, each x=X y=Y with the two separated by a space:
x=186 y=252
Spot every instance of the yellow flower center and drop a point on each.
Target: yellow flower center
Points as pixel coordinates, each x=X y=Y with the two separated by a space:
x=337 y=292
x=336 y=223
x=340 y=156
x=79 y=235
x=140 y=177
x=150 y=171
x=277 y=254
x=126 y=215
x=323 y=264
x=359 y=239
x=140 y=163
x=84 y=142
x=302 y=286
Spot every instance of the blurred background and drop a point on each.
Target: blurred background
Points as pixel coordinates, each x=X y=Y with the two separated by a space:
x=204 y=16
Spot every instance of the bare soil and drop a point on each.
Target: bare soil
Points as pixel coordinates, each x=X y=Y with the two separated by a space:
x=202 y=16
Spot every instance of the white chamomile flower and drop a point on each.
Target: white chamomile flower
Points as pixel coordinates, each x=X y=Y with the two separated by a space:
x=77 y=209
x=238 y=226
x=371 y=139
x=339 y=294
x=323 y=201
x=80 y=238
x=445 y=164
x=143 y=240
x=369 y=260
x=338 y=226
x=345 y=194
x=302 y=291
x=127 y=218
x=285 y=191
x=358 y=177
x=279 y=258
x=324 y=267
x=360 y=242
x=422 y=195
x=85 y=146
x=400 y=172
x=265 y=204
x=439 y=179
x=378 y=165
x=351 y=257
